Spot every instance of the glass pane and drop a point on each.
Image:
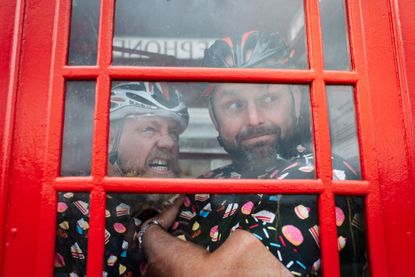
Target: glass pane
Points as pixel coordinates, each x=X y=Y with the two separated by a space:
x=176 y=33
x=335 y=35
x=251 y=131
x=72 y=228
x=286 y=224
x=125 y=214
x=84 y=32
x=351 y=229
x=343 y=132
x=78 y=128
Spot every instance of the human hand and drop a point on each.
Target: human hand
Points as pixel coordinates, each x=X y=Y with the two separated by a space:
x=168 y=215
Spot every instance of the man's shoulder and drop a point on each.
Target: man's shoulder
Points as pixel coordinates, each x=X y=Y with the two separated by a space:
x=343 y=170
x=300 y=167
x=303 y=167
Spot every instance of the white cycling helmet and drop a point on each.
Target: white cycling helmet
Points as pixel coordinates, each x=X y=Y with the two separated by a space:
x=149 y=98
x=144 y=98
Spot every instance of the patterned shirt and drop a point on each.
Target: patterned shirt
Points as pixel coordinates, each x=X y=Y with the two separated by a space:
x=121 y=257
x=286 y=224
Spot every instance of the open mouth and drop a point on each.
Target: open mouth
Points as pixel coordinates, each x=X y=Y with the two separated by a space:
x=159 y=165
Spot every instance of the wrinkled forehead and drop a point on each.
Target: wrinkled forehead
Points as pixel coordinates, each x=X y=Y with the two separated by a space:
x=152 y=120
x=248 y=90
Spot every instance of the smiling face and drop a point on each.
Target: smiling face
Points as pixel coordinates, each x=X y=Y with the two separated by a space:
x=252 y=119
x=148 y=147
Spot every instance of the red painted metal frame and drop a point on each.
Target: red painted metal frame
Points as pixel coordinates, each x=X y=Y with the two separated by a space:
x=10 y=37
x=34 y=156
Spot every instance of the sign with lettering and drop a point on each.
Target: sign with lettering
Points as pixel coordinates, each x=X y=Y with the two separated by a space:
x=136 y=47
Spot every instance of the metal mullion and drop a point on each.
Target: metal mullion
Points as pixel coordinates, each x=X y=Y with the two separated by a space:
x=208 y=74
x=318 y=95
x=374 y=219
x=195 y=74
x=328 y=231
x=73 y=184
x=99 y=145
x=106 y=28
x=341 y=77
x=141 y=185
x=81 y=72
x=95 y=258
x=100 y=138
x=351 y=187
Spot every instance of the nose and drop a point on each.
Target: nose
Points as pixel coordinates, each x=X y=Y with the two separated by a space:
x=254 y=115
x=166 y=141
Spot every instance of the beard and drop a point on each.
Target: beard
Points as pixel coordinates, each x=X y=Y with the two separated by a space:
x=171 y=170
x=256 y=156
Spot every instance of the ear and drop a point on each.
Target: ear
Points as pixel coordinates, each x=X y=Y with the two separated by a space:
x=212 y=113
x=297 y=95
x=111 y=138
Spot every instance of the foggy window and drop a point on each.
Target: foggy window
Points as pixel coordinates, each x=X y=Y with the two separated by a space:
x=343 y=129
x=78 y=128
x=176 y=33
x=335 y=35
x=83 y=40
x=148 y=141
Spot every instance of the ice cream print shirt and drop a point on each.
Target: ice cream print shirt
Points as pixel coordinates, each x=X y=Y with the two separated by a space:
x=121 y=251
x=286 y=224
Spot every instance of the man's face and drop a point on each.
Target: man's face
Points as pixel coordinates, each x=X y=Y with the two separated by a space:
x=252 y=119
x=148 y=147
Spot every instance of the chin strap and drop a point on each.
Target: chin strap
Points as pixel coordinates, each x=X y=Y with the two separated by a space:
x=113 y=155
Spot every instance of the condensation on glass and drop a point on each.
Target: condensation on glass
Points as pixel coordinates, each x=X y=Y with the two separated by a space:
x=351 y=236
x=72 y=227
x=262 y=129
x=78 y=128
x=335 y=35
x=83 y=42
x=343 y=132
x=176 y=33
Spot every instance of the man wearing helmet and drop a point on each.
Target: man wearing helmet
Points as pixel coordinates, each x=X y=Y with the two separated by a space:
x=149 y=117
x=146 y=121
x=258 y=125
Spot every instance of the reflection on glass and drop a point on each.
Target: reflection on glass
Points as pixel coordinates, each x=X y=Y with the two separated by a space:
x=176 y=33
x=343 y=132
x=251 y=131
x=78 y=128
x=335 y=35
x=84 y=32
x=72 y=228
x=351 y=236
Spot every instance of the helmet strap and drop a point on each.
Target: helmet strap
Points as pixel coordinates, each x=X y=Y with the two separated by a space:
x=113 y=155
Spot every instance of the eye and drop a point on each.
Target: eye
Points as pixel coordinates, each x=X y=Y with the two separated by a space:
x=269 y=99
x=149 y=129
x=235 y=105
x=174 y=134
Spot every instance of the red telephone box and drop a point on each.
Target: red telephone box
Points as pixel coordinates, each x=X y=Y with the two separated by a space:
x=34 y=41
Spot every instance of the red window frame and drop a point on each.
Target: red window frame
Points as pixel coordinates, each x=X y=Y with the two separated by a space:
x=31 y=175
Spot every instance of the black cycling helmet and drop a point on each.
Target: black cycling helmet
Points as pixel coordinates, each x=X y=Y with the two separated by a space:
x=258 y=49
x=252 y=49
